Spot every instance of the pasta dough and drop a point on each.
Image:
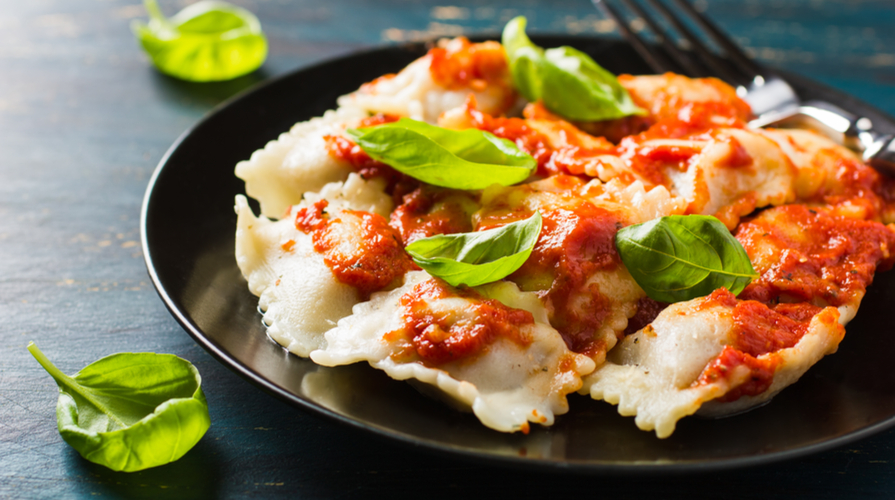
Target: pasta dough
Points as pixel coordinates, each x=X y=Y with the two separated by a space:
x=335 y=284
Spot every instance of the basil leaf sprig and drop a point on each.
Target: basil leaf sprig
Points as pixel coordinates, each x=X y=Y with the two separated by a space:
x=479 y=257
x=458 y=159
x=681 y=257
x=206 y=41
x=130 y=411
x=569 y=82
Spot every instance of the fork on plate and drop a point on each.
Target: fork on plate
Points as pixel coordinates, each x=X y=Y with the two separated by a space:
x=773 y=100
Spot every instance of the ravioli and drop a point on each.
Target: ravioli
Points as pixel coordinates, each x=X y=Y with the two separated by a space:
x=522 y=376
x=297 y=162
x=687 y=359
x=287 y=273
x=441 y=80
x=336 y=285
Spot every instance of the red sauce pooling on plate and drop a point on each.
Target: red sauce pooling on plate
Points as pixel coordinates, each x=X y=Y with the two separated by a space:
x=360 y=248
x=441 y=336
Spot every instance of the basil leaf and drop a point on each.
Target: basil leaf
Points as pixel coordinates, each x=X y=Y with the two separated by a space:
x=207 y=41
x=479 y=257
x=459 y=159
x=681 y=257
x=130 y=411
x=525 y=59
x=569 y=82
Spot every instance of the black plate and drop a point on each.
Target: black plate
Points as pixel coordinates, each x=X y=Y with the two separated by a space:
x=188 y=235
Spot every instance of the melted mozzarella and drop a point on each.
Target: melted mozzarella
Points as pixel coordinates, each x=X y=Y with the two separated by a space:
x=506 y=385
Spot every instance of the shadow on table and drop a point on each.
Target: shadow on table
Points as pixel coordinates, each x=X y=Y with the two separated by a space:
x=207 y=94
x=195 y=476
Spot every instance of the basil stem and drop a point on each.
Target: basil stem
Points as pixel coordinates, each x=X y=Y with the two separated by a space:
x=479 y=257
x=459 y=159
x=207 y=41
x=130 y=411
x=569 y=82
x=681 y=257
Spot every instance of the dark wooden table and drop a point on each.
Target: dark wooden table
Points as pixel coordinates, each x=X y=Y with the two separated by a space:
x=84 y=120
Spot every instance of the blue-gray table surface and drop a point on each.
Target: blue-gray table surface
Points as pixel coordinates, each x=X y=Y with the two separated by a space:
x=84 y=120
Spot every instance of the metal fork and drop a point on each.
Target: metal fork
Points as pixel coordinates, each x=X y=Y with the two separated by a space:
x=773 y=100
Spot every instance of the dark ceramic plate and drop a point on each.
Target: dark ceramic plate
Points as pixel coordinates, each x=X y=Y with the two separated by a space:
x=188 y=236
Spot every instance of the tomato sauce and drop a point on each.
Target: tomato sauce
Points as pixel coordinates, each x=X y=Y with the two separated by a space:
x=738 y=156
x=441 y=336
x=760 y=373
x=856 y=183
x=462 y=64
x=758 y=330
x=823 y=259
x=574 y=244
x=428 y=211
x=371 y=261
x=516 y=130
x=568 y=158
x=342 y=148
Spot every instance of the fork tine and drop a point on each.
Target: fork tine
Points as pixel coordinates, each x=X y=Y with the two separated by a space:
x=732 y=50
x=668 y=44
x=714 y=62
x=656 y=61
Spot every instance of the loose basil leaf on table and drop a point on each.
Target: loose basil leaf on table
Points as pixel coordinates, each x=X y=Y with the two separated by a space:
x=569 y=82
x=458 y=159
x=479 y=257
x=206 y=41
x=681 y=257
x=130 y=411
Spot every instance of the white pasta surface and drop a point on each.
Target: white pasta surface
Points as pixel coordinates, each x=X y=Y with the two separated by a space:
x=296 y=162
x=506 y=385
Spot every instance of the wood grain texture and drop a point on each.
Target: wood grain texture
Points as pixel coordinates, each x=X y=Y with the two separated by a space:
x=84 y=120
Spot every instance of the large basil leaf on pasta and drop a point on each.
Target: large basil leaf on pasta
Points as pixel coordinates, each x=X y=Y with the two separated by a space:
x=681 y=257
x=130 y=411
x=479 y=257
x=569 y=82
x=464 y=159
x=207 y=41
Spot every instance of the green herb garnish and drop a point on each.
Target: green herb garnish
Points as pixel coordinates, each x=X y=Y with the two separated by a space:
x=681 y=257
x=207 y=41
x=130 y=411
x=569 y=82
x=479 y=257
x=465 y=159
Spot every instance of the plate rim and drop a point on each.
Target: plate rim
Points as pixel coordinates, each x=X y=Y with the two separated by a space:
x=418 y=443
